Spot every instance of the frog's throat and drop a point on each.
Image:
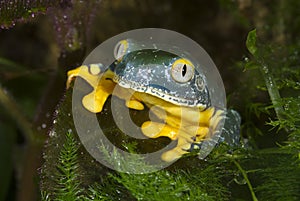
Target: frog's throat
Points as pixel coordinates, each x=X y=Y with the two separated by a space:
x=159 y=92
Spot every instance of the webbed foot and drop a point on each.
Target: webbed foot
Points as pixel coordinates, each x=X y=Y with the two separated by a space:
x=182 y=146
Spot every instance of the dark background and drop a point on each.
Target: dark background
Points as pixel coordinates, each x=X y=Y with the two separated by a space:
x=36 y=53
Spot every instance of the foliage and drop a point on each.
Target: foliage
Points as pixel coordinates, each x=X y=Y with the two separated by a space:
x=166 y=185
x=280 y=180
x=67 y=179
x=13 y=11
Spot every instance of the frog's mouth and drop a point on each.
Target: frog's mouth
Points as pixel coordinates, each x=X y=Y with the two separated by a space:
x=160 y=92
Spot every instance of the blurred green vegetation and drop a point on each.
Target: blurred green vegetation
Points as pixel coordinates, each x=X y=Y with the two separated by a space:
x=41 y=40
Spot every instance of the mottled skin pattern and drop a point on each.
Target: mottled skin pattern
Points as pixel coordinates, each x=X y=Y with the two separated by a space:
x=169 y=85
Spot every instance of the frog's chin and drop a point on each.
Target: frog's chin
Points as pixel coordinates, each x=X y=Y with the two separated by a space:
x=159 y=92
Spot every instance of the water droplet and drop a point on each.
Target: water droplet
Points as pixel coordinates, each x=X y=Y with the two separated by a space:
x=63 y=55
x=52 y=133
x=48 y=115
x=5 y=91
x=246 y=59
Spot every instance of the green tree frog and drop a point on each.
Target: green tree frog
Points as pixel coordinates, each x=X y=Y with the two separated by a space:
x=168 y=84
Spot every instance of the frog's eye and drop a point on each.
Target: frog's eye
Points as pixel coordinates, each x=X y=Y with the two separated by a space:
x=120 y=49
x=182 y=70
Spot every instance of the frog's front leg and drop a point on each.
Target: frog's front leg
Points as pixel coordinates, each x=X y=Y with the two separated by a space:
x=90 y=73
x=101 y=82
x=95 y=100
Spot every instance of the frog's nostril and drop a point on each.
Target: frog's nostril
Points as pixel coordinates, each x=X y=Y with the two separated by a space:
x=200 y=84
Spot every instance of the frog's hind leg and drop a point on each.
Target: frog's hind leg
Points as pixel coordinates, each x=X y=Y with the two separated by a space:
x=185 y=140
x=178 y=151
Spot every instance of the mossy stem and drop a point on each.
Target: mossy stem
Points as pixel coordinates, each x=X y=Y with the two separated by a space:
x=272 y=89
x=254 y=198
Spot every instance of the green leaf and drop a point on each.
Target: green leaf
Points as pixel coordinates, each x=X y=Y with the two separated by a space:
x=251 y=42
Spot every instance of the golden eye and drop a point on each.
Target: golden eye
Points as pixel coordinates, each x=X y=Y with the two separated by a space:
x=120 y=49
x=182 y=70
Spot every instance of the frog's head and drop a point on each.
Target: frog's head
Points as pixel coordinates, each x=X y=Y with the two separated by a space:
x=161 y=74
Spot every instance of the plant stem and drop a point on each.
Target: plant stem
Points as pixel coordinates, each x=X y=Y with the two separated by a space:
x=279 y=28
x=32 y=150
x=17 y=116
x=246 y=178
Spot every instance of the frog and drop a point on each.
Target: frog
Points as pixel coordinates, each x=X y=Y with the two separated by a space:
x=171 y=86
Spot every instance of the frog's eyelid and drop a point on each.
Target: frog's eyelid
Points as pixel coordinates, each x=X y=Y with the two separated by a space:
x=120 y=49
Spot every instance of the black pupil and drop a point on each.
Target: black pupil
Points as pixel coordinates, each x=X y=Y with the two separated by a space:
x=183 y=71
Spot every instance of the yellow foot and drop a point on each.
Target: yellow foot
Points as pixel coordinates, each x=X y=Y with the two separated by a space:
x=92 y=103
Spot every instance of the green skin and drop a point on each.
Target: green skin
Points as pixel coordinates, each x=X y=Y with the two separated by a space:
x=166 y=83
